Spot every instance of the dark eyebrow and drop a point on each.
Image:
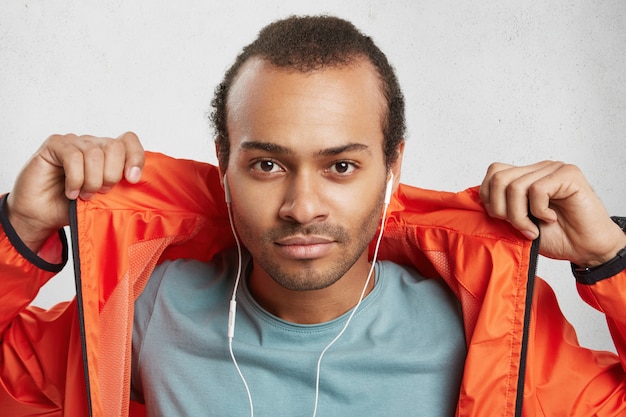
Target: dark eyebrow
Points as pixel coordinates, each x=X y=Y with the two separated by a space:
x=344 y=148
x=279 y=149
x=266 y=146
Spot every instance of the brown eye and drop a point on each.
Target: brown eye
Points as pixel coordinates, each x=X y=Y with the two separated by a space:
x=267 y=166
x=342 y=167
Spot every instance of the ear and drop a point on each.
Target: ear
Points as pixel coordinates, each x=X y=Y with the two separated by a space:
x=389 y=187
x=396 y=167
x=227 y=197
x=222 y=173
x=217 y=155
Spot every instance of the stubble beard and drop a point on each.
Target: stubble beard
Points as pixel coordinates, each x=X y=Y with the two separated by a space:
x=309 y=276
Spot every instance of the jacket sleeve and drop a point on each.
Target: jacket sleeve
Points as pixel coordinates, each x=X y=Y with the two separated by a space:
x=34 y=344
x=569 y=379
x=604 y=288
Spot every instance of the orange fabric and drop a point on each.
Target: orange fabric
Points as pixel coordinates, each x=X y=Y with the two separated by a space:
x=178 y=211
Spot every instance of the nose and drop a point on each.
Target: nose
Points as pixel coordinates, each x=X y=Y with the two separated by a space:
x=304 y=199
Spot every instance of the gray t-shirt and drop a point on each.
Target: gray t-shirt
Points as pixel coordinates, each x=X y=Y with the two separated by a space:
x=402 y=354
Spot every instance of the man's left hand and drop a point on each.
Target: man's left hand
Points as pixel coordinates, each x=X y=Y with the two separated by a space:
x=575 y=225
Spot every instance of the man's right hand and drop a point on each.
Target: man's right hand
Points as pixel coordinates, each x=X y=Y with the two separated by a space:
x=65 y=168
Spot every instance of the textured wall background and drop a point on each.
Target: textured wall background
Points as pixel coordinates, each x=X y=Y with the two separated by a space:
x=493 y=80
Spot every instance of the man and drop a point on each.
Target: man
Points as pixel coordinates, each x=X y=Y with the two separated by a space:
x=309 y=127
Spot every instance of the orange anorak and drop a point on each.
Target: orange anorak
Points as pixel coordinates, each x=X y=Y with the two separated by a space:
x=74 y=359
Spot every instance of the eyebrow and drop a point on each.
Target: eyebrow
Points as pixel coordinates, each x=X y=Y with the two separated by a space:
x=350 y=147
x=279 y=149
x=266 y=146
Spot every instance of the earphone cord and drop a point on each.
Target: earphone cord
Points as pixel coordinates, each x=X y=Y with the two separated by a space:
x=233 y=309
x=345 y=326
x=232 y=312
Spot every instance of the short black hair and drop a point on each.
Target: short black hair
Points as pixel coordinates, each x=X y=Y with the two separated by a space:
x=310 y=43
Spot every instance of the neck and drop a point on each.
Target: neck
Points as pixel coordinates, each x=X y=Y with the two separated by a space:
x=311 y=306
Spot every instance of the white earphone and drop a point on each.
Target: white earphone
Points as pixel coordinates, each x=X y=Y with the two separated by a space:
x=389 y=188
x=227 y=191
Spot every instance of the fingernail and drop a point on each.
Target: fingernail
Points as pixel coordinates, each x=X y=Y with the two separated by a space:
x=134 y=175
x=73 y=195
x=529 y=234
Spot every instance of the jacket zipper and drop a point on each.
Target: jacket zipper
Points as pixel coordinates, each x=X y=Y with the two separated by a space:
x=73 y=216
x=530 y=287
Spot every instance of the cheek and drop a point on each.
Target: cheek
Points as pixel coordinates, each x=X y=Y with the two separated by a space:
x=358 y=204
x=253 y=212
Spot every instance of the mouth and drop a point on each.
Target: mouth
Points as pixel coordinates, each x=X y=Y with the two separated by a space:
x=305 y=247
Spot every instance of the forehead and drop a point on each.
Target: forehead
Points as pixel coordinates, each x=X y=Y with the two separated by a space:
x=317 y=109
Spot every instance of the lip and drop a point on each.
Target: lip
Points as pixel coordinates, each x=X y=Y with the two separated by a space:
x=304 y=247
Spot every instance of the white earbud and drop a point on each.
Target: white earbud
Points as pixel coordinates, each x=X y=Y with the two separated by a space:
x=226 y=191
x=388 y=190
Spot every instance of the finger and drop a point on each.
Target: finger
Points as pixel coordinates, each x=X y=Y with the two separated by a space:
x=539 y=198
x=74 y=171
x=531 y=194
x=90 y=164
x=506 y=192
x=495 y=186
x=559 y=184
x=135 y=157
x=487 y=188
x=113 y=169
x=93 y=159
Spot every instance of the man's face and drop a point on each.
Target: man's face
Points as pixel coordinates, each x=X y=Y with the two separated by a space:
x=306 y=170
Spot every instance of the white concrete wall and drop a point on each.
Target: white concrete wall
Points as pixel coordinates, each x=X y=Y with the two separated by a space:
x=484 y=80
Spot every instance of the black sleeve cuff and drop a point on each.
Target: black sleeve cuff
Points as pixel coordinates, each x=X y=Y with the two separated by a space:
x=21 y=247
x=590 y=276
